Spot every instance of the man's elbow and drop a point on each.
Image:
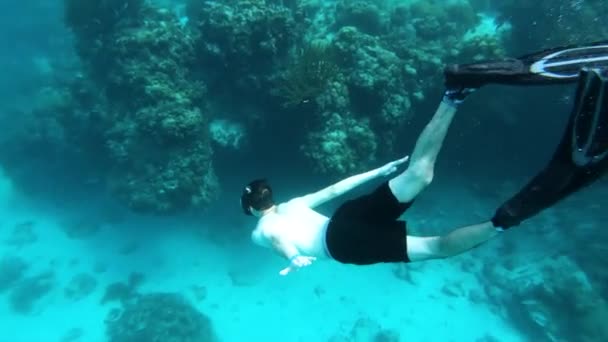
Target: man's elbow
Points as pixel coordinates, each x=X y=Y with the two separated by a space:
x=334 y=191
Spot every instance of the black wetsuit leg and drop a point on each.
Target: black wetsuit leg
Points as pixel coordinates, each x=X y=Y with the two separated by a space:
x=565 y=173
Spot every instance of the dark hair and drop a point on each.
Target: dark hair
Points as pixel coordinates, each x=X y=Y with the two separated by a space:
x=256 y=195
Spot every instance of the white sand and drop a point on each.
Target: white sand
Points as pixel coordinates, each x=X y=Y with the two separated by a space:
x=311 y=305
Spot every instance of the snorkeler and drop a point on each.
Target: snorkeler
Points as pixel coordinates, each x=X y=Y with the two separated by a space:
x=367 y=230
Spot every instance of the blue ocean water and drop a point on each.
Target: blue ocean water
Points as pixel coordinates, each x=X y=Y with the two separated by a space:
x=131 y=127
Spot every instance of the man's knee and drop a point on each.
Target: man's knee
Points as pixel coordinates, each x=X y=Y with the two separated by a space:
x=422 y=172
x=411 y=182
x=424 y=248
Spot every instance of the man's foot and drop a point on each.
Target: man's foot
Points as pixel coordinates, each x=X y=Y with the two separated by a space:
x=457 y=96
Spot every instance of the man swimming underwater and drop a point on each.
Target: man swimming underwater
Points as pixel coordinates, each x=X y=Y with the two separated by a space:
x=366 y=230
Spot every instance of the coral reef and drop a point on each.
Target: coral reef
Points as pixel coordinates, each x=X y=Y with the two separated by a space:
x=137 y=116
x=378 y=79
x=159 y=317
x=365 y=16
x=240 y=43
x=551 y=299
x=156 y=135
x=389 y=72
x=58 y=133
x=342 y=146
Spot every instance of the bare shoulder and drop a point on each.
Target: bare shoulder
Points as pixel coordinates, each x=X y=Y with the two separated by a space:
x=260 y=236
x=295 y=202
x=264 y=231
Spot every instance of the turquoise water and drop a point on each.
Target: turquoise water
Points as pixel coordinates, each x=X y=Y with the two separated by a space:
x=130 y=128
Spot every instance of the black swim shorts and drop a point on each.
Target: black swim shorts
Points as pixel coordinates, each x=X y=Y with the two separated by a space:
x=365 y=230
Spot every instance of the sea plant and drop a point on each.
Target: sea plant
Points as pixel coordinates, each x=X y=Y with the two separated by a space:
x=309 y=74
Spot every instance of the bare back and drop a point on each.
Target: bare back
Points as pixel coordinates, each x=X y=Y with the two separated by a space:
x=295 y=223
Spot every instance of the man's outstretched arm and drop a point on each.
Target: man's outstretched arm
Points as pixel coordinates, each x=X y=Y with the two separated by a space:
x=290 y=252
x=345 y=185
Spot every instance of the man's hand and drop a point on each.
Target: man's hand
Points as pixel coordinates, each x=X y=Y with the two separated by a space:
x=297 y=262
x=392 y=166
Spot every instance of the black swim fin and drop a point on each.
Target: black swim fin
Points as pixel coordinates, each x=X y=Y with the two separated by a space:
x=580 y=159
x=590 y=123
x=552 y=66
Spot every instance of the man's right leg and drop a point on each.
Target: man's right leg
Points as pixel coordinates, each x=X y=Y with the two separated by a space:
x=580 y=159
x=419 y=173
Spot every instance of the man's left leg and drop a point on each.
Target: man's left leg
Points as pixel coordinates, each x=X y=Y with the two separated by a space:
x=419 y=173
x=456 y=242
x=581 y=158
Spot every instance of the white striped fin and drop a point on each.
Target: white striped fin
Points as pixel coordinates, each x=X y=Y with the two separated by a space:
x=559 y=59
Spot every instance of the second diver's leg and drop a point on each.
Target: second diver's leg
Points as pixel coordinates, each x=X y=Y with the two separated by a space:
x=419 y=173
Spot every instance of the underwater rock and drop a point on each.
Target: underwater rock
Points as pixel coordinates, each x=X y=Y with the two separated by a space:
x=403 y=272
x=80 y=286
x=476 y=297
x=453 y=290
x=535 y=298
x=129 y=248
x=100 y=267
x=159 y=317
x=319 y=291
x=386 y=335
x=242 y=277
x=200 y=292
x=365 y=330
x=119 y=292
x=488 y=338
x=73 y=335
x=28 y=291
x=12 y=269
x=74 y=262
x=243 y=273
x=23 y=234
x=227 y=133
x=81 y=229
x=123 y=292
